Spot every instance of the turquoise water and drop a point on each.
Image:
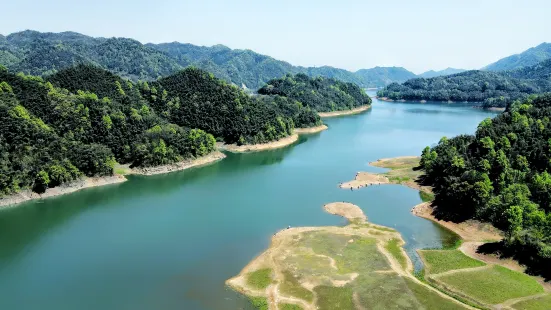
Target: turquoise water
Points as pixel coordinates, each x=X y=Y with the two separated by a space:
x=170 y=241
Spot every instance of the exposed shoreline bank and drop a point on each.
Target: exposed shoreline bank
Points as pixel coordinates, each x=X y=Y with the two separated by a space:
x=310 y=130
x=89 y=182
x=26 y=195
x=234 y=148
x=493 y=109
x=345 y=112
x=179 y=166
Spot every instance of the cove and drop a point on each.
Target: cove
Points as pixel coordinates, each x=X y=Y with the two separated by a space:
x=170 y=241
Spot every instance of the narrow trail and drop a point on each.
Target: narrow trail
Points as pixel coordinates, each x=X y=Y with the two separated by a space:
x=449 y=272
x=395 y=265
x=510 y=302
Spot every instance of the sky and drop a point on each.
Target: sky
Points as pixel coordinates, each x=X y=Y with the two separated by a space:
x=351 y=34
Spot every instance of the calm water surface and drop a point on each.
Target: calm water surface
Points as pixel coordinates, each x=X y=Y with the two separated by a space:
x=170 y=241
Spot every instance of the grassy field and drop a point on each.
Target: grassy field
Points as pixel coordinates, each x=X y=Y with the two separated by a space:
x=430 y=299
x=541 y=303
x=291 y=287
x=260 y=279
x=394 y=248
x=289 y=307
x=437 y=261
x=260 y=303
x=492 y=285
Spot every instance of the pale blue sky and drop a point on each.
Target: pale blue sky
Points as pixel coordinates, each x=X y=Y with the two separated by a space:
x=419 y=35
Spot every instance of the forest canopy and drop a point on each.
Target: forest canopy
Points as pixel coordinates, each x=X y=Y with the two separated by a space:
x=82 y=120
x=492 y=89
x=500 y=175
x=320 y=94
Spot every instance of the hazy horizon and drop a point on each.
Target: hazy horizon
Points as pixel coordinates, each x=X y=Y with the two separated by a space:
x=421 y=36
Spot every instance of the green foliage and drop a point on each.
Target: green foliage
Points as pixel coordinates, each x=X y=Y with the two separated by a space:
x=430 y=299
x=38 y=53
x=260 y=303
x=438 y=261
x=503 y=178
x=490 y=88
x=198 y=100
x=260 y=278
x=330 y=297
x=291 y=287
x=320 y=94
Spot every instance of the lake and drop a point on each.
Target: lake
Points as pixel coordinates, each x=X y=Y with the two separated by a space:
x=170 y=241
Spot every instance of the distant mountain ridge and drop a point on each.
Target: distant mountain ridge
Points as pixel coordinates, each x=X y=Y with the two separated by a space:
x=527 y=58
x=447 y=71
x=38 y=53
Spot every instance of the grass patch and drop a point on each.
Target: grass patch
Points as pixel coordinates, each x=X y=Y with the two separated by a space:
x=493 y=285
x=426 y=197
x=398 y=179
x=289 y=307
x=394 y=248
x=430 y=299
x=438 y=261
x=259 y=302
x=260 y=278
x=540 y=303
x=291 y=287
x=330 y=297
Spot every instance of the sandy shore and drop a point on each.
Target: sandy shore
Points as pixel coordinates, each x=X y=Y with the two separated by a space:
x=308 y=130
x=25 y=195
x=186 y=164
x=259 y=147
x=345 y=112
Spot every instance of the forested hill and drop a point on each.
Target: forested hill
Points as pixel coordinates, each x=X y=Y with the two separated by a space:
x=493 y=89
x=382 y=76
x=501 y=175
x=37 y=53
x=320 y=94
x=83 y=119
x=447 y=71
x=527 y=58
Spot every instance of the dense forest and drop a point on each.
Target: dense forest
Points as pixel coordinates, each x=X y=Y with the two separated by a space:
x=501 y=175
x=492 y=89
x=82 y=120
x=320 y=94
x=37 y=53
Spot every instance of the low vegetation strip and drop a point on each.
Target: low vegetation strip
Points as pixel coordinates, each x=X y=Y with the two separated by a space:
x=394 y=247
x=490 y=286
x=438 y=261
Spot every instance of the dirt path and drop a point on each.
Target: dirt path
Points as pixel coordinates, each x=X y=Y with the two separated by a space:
x=509 y=303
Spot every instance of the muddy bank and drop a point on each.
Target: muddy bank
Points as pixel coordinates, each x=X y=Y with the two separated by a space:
x=259 y=147
x=26 y=195
x=345 y=112
x=186 y=164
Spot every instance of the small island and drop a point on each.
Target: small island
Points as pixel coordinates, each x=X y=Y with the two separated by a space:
x=357 y=266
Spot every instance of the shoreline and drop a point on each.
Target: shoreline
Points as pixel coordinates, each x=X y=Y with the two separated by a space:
x=345 y=112
x=234 y=148
x=89 y=182
x=86 y=182
x=493 y=109
x=179 y=166
x=309 y=130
